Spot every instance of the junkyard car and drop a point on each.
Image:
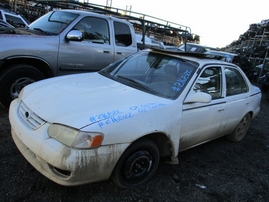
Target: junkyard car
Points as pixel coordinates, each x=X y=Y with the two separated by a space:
x=5 y=24
x=240 y=60
x=149 y=42
x=193 y=47
x=117 y=123
x=13 y=18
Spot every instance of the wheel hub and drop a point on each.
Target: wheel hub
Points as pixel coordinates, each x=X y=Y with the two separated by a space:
x=138 y=165
x=18 y=85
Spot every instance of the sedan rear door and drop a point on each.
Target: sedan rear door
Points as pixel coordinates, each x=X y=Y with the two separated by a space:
x=237 y=97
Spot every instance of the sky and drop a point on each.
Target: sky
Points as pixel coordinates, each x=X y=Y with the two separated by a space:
x=217 y=22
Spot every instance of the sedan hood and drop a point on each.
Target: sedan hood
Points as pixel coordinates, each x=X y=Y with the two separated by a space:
x=72 y=100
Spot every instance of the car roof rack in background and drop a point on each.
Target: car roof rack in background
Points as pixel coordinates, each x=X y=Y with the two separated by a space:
x=183 y=53
x=145 y=24
x=204 y=55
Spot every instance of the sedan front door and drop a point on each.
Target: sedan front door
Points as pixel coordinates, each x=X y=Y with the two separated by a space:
x=202 y=122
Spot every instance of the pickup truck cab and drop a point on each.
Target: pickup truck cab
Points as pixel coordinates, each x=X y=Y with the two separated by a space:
x=60 y=42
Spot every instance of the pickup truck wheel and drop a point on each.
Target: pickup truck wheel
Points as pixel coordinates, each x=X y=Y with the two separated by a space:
x=137 y=164
x=241 y=129
x=14 y=79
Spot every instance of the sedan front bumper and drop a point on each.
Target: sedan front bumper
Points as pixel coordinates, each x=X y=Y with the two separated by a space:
x=60 y=163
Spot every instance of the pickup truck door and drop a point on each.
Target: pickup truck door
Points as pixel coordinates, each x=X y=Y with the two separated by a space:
x=95 y=52
x=125 y=40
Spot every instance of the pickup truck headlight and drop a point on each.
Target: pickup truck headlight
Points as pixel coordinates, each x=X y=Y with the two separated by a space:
x=75 y=138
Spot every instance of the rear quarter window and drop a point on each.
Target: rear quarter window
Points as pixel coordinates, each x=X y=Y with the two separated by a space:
x=123 y=35
x=15 y=21
x=235 y=83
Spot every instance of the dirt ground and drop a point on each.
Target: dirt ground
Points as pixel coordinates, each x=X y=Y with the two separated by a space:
x=216 y=171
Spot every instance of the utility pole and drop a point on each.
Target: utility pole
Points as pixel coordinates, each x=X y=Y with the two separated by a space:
x=108 y=3
x=128 y=9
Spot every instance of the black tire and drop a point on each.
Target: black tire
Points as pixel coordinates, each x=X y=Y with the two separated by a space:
x=137 y=164
x=14 y=79
x=241 y=129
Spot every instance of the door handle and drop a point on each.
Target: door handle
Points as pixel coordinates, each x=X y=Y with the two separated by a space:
x=106 y=51
x=120 y=53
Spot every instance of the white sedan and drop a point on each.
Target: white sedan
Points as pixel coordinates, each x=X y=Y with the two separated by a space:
x=117 y=123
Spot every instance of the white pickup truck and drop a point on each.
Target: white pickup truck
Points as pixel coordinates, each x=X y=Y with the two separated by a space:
x=60 y=42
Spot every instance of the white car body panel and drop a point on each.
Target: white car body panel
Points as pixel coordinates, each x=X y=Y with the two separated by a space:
x=88 y=111
x=94 y=103
x=48 y=150
x=85 y=165
x=195 y=116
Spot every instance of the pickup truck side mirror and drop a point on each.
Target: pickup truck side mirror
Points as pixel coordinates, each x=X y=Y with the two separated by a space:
x=198 y=97
x=74 y=35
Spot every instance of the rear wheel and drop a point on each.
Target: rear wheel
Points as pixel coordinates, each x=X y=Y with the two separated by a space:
x=14 y=79
x=240 y=130
x=137 y=164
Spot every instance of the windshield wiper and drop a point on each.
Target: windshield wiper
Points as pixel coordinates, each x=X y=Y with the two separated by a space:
x=43 y=31
x=138 y=84
x=105 y=73
x=61 y=22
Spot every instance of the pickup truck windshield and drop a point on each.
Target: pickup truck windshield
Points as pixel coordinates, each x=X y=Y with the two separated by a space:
x=53 y=22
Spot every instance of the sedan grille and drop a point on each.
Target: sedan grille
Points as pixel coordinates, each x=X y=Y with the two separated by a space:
x=29 y=117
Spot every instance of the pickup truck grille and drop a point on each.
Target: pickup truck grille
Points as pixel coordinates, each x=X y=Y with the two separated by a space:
x=29 y=117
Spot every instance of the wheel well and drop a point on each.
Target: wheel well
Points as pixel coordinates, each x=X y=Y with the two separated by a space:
x=162 y=142
x=39 y=64
x=251 y=114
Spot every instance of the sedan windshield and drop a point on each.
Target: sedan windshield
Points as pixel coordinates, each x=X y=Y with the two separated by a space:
x=53 y=22
x=155 y=73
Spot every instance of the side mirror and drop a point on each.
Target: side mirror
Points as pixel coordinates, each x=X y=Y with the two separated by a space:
x=198 y=97
x=74 y=35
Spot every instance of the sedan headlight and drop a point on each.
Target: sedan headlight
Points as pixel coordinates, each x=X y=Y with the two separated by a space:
x=75 y=138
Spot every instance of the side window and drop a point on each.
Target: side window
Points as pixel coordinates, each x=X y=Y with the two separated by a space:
x=1 y=18
x=94 y=29
x=235 y=83
x=210 y=82
x=15 y=21
x=123 y=35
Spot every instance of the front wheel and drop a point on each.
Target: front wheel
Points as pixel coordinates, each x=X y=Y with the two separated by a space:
x=14 y=79
x=241 y=129
x=137 y=164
